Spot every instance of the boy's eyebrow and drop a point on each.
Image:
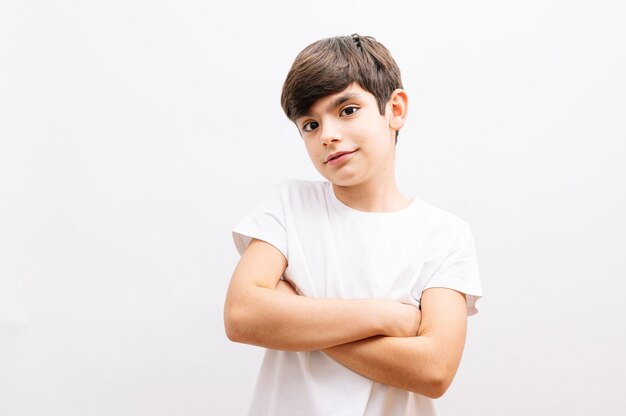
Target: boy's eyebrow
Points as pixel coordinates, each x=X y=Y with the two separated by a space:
x=342 y=99
x=336 y=102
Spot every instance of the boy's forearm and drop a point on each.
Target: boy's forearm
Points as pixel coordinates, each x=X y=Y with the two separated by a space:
x=425 y=364
x=276 y=320
x=407 y=363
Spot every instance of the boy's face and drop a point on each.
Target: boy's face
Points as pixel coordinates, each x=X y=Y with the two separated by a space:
x=350 y=121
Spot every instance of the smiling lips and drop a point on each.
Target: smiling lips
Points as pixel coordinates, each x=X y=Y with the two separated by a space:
x=338 y=157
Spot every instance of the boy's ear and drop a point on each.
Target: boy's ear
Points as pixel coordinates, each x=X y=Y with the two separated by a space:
x=398 y=105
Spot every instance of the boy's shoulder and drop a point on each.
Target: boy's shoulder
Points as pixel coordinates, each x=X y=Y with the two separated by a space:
x=443 y=216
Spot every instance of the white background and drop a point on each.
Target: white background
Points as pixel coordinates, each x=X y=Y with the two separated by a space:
x=134 y=135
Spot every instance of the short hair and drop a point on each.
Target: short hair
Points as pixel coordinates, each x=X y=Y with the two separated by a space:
x=329 y=65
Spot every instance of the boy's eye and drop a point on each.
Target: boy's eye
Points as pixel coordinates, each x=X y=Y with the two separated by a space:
x=310 y=126
x=348 y=111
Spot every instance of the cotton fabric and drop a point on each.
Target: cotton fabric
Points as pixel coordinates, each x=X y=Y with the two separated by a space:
x=335 y=251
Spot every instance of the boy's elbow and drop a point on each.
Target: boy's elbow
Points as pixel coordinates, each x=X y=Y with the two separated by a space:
x=436 y=385
x=233 y=323
x=434 y=380
x=238 y=315
x=230 y=326
x=436 y=388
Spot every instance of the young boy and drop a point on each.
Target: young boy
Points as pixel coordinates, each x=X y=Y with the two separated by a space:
x=359 y=293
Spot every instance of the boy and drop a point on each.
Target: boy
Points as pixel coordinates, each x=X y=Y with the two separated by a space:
x=359 y=293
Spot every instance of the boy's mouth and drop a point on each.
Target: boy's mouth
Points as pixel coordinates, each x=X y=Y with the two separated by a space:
x=336 y=155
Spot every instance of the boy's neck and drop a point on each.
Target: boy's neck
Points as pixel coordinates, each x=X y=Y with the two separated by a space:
x=372 y=196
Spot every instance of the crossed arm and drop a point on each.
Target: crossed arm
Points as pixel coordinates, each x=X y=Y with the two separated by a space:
x=383 y=340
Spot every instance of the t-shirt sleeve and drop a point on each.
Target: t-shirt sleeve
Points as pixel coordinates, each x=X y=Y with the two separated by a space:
x=459 y=270
x=265 y=221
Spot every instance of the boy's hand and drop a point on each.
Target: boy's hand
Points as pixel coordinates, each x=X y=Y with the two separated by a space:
x=285 y=287
x=404 y=319
x=255 y=314
x=407 y=320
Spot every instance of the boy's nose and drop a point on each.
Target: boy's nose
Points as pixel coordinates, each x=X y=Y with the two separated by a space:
x=330 y=139
x=329 y=135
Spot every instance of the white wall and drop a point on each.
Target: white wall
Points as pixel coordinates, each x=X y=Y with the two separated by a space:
x=134 y=135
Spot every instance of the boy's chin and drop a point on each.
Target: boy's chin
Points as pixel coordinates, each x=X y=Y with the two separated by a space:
x=344 y=176
x=343 y=182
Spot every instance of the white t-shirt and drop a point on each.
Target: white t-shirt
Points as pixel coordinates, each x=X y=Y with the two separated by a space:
x=334 y=251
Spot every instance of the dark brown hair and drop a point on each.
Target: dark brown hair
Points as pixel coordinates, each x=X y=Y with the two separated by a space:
x=329 y=65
